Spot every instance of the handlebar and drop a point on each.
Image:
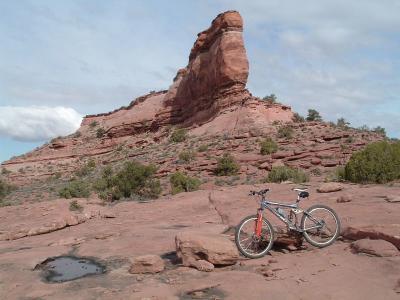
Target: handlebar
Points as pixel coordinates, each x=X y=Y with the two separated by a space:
x=260 y=193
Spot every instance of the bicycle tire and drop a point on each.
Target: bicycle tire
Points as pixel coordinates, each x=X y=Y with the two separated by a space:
x=307 y=236
x=237 y=237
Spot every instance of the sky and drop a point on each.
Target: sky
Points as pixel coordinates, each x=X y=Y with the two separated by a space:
x=61 y=60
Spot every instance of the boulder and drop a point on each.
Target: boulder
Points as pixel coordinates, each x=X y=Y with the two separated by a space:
x=330 y=187
x=216 y=249
x=315 y=161
x=375 y=247
x=344 y=199
x=147 y=264
x=387 y=232
x=393 y=198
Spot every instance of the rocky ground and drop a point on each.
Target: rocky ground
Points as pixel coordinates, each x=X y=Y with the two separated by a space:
x=117 y=235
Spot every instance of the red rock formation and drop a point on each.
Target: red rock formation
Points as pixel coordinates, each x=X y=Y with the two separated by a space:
x=217 y=72
x=210 y=98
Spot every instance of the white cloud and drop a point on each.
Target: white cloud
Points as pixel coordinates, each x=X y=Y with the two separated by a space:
x=38 y=123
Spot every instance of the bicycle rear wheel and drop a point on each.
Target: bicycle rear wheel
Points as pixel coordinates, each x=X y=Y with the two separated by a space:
x=320 y=225
x=248 y=243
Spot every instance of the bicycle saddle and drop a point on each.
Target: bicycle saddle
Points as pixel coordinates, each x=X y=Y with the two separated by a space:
x=262 y=192
x=300 y=190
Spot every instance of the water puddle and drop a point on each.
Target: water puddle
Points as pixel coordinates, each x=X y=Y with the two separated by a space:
x=66 y=268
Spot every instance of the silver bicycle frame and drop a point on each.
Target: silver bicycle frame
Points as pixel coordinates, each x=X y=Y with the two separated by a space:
x=265 y=204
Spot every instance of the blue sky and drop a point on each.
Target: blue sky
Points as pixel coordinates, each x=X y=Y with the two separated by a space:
x=60 y=60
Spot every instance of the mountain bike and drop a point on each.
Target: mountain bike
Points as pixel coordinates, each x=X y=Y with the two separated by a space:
x=319 y=225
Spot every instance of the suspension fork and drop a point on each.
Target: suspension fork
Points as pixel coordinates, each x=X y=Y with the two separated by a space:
x=258 y=225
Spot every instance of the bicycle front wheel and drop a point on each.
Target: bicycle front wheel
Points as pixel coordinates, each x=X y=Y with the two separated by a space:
x=320 y=225
x=248 y=243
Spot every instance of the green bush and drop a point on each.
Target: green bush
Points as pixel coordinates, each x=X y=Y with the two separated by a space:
x=93 y=124
x=268 y=146
x=284 y=173
x=313 y=115
x=380 y=130
x=186 y=156
x=75 y=189
x=342 y=123
x=5 y=189
x=297 y=118
x=202 y=148
x=285 y=132
x=227 y=165
x=183 y=183
x=86 y=169
x=337 y=175
x=75 y=206
x=178 y=135
x=271 y=98
x=379 y=162
x=4 y=171
x=133 y=179
x=100 y=132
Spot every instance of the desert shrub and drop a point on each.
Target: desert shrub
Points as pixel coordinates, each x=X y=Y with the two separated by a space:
x=313 y=115
x=86 y=169
x=316 y=172
x=77 y=134
x=379 y=162
x=178 y=135
x=75 y=206
x=297 y=118
x=100 y=132
x=202 y=148
x=283 y=173
x=363 y=128
x=93 y=124
x=285 y=132
x=187 y=156
x=4 y=171
x=337 y=175
x=75 y=189
x=349 y=140
x=271 y=98
x=380 y=130
x=133 y=179
x=268 y=146
x=342 y=123
x=183 y=183
x=227 y=165
x=5 y=189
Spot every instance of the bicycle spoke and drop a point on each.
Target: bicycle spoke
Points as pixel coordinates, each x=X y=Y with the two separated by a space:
x=249 y=243
x=320 y=225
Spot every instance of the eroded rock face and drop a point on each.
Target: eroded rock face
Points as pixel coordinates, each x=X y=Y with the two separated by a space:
x=217 y=72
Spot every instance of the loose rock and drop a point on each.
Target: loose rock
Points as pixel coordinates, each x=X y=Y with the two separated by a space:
x=192 y=247
x=330 y=187
x=375 y=247
x=147 y=264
